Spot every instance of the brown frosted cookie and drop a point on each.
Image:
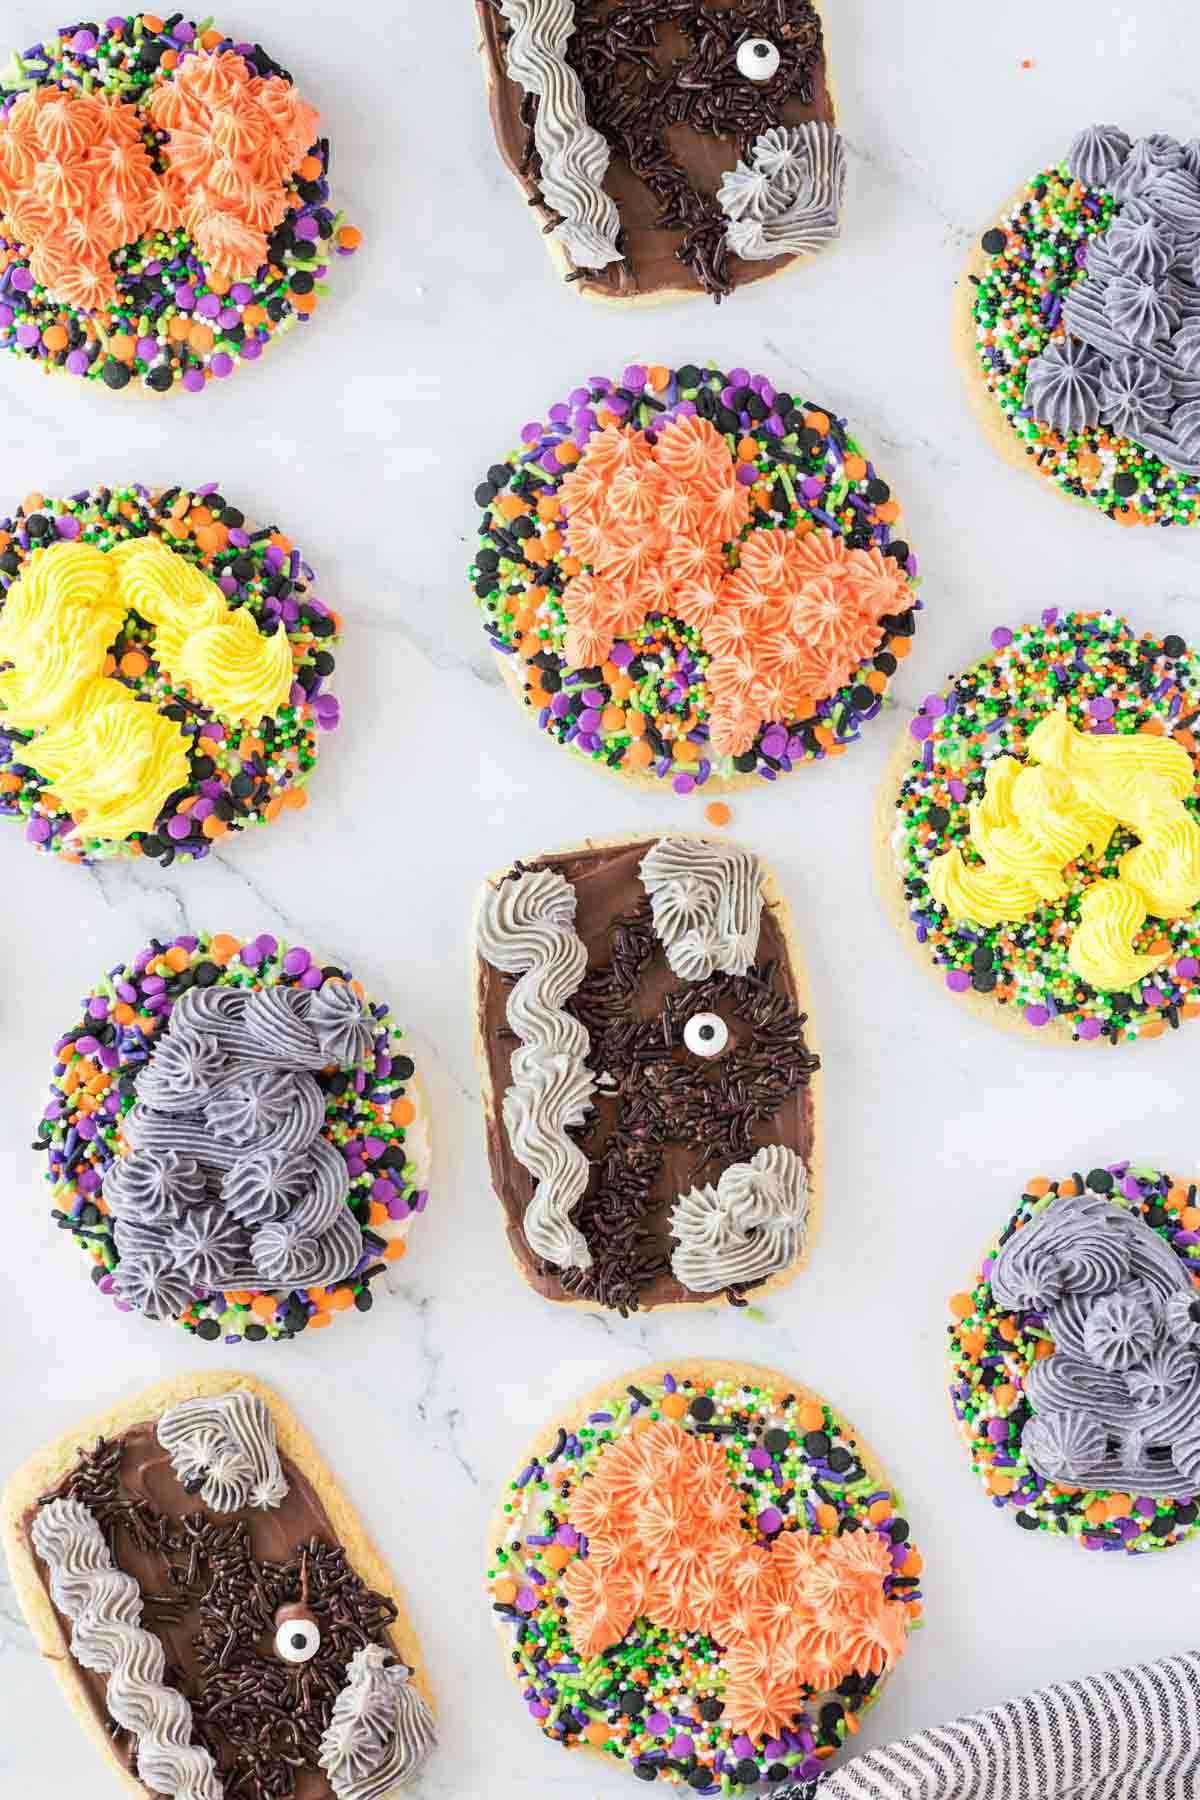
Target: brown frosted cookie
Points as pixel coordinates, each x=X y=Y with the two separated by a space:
x=210 y=1603
x=697 y=170
x=650 y=1087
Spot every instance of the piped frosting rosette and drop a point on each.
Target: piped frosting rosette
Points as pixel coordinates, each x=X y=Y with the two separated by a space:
x=701 y=1573
x=235 y=1136
x=694 y=577
x=1075 y=1360
x=1039 y=831
x=1083 y=311
x=163 y=672
x=165 y=209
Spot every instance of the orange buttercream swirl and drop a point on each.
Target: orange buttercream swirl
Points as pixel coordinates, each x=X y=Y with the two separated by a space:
x=665 y=1541
x=657 y=526
x=77 y=182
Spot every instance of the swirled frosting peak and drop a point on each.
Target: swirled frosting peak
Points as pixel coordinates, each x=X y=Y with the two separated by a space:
x=381 y=1731
x=787 y=200
x=574 y=156
x=223 y=1447
x=104 y=1607
x=707 y=902
x=1116 y=1406
x=526 y=927
x=229 y=1182
x=750 y=1226
x=1135 y=312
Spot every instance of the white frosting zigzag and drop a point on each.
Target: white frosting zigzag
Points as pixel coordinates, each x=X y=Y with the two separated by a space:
x=751 y=1225
x=223 y=1448
x=707 y=905
x=787 y=200
x=574 y=155
x=381 y=1731
x=104 y=1606
x=527 y=927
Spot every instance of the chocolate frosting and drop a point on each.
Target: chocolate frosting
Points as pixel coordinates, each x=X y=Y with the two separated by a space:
x=279 y=1535
x=651 y=264
x=609 y=893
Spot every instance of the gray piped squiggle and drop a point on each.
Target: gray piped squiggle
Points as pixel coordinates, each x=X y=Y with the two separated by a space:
x=526 y=927
x=1117 y=1405
x=1131 y=357
x=573 y=154
x=381 y=1731
x=229 y=1182
x=706 y=900
x=104 y=1606
x=224 y=1448
x=751 y=1225
x=787 y=200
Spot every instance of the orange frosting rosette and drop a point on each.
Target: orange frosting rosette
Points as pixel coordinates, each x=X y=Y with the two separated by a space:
x=784 y=615
x=666 y=1541
x=78 y=181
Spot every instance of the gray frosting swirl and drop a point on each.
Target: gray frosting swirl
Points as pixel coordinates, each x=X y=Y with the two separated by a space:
x=1136 y=309
x=1117 y=1404
x=104 y=1607
x=1062 y=386
x=526 y=927
x=381 y=1731
x=229 y=1182
x=224 y=1448
x=574 y=156
x=706 y=901
x=787 y=200
x=751 y=1225
x=1097 y=153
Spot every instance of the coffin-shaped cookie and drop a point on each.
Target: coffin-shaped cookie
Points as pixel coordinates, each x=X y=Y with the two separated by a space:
x=669 y=150
x=649 y=1080
x=210 y=1604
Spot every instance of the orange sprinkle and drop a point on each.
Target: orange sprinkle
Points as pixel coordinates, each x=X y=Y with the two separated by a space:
x=717 y=813
x=349 y=237
x=402 y=1112
x=134 y=663
x=962 y=1306
x=395 y=1250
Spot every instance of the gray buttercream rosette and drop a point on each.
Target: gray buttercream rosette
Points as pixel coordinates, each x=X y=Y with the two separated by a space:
x=228 y=1182
x=1130 y=356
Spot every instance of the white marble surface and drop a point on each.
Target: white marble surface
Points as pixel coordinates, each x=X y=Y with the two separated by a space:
x=934 y=1121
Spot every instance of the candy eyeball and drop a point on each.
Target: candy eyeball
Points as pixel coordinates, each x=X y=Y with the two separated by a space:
x=757 y=59
x=706 y=1034
x=297 y=1640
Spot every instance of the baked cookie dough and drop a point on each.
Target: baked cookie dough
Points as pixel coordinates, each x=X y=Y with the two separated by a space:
x=669 y=149
x=236 y=1137
x=1077 y=321
x=164 y=671
x=701 y=1572
x=1037 y=835
x=650 y=1089
x=210 y=1605
x=690 y=576
x=1075 y=1360
x=165 y=210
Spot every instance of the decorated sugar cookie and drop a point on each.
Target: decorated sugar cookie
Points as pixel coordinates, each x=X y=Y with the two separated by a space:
x=650 y=1088
x=1037 y=833
x=164 y=670
x=669 y=149
x=694 y=577
x=701 y=1572
x=236 y=1137
x=1079 y=323
x=211 y=1606
x=165 y=210
x=1075 y=1360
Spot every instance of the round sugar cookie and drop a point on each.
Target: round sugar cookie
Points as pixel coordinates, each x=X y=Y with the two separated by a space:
x=701 y=1572
x=689 y=576
x=236 y=1136
x=1036 y=832
x=1076 y=324
x=164 y=672
x=1074 y=1360
x=165 y=208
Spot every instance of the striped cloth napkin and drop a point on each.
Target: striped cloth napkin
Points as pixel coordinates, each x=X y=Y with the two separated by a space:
x=1133 y=1734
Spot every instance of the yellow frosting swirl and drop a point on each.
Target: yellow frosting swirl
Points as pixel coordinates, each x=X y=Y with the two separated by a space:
x=113 y=762
x=111 y=759
x=1035 y=820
